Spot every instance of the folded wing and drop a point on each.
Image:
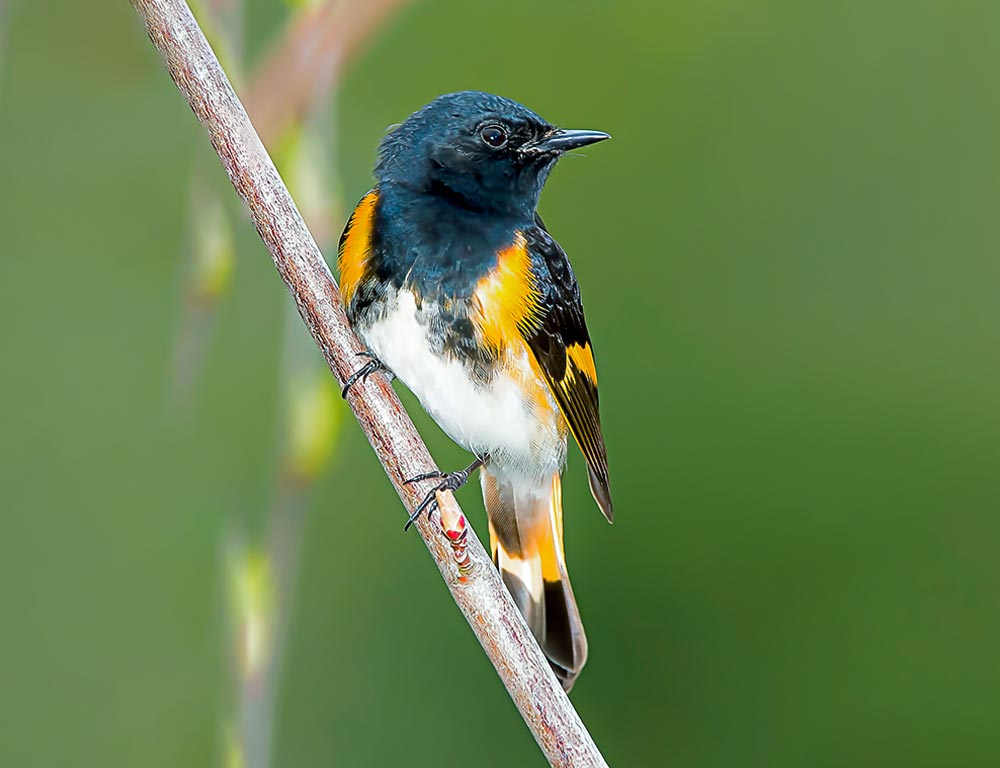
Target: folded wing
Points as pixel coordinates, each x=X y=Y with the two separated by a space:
x=558 y=338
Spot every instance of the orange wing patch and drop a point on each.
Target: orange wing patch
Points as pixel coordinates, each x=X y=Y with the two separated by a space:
x=507 y=298
x=583 y=359
x=355 y=246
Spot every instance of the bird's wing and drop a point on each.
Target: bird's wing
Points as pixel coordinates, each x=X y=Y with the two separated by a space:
x=531 y=297
x=557 y=336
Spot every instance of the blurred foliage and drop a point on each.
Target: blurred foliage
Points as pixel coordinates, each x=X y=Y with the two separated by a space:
x=314 y=412
x=212 y=247
x=251 y=605
x=788 y=256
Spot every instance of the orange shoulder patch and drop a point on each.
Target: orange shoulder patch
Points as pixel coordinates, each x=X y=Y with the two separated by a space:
x=507 y=298
x=355 y=246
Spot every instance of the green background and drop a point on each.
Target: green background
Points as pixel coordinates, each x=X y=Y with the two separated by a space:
x=790 y=259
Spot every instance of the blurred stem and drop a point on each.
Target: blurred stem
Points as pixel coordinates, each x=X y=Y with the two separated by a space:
x=311 y=416
x=306 y=63
x=211 y=256
x=311 y=428
x=259 y=683
x=478 y=590
x=210 y=250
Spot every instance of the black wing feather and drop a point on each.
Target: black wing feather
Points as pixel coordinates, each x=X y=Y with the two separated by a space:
x=561 y=327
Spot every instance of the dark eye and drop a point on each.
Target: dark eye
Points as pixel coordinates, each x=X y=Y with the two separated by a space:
x=494 y=135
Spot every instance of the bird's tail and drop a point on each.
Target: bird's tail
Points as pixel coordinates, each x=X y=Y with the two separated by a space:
x=526 y=539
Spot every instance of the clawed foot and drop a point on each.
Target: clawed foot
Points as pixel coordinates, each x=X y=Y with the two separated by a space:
x=373 y=365
x=450 y=481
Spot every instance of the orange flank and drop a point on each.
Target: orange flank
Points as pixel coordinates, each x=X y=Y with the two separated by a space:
x=583 y=359
x=355 y=246
x=508 y=310
x=507 y=298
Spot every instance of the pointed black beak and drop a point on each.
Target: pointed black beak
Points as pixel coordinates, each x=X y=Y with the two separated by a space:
x=560 y=141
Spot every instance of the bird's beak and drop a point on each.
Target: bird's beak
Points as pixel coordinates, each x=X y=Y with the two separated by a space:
x=560 y=140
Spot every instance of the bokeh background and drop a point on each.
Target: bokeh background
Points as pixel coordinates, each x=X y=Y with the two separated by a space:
x=790 y=259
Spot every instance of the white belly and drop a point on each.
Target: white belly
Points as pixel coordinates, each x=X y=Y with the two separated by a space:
x=496 y=418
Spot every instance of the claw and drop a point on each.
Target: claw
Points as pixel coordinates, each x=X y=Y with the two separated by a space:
x=373 y=365
x=425 y=476
x=449 y=481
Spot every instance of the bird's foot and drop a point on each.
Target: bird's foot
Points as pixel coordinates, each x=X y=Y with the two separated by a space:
x=449 y=481
x=373 y=365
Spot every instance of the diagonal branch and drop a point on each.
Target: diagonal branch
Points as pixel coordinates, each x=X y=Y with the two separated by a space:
x=476 y=589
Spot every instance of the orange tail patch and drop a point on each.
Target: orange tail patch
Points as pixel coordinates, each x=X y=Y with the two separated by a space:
x=526 y=539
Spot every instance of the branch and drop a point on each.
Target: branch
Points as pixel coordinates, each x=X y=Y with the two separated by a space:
x=476 y=588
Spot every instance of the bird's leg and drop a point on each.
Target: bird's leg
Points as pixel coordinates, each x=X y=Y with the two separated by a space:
x=449 y=481
x=366 y=370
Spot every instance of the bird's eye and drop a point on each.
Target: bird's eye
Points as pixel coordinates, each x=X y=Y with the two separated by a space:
x=494 y=135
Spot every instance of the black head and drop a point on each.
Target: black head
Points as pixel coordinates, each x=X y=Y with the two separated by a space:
x=481 y=151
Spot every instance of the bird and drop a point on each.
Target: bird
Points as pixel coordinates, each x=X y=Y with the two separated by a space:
x=451 y=280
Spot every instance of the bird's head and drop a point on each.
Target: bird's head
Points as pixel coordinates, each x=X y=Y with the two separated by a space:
x=483 y=152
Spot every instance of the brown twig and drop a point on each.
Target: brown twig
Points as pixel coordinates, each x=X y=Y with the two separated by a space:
x=478 y=591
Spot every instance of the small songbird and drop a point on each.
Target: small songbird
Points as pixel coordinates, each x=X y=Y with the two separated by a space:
x=452 y=281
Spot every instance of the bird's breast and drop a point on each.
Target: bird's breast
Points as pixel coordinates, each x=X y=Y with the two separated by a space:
x=486 y=402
